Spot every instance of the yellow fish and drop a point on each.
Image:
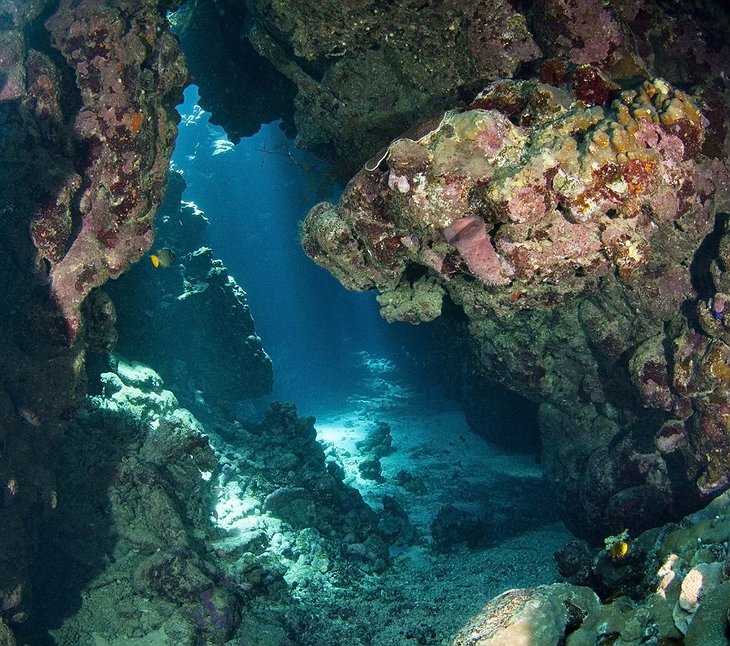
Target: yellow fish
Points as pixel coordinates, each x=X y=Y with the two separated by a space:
x=619 y=550
x=163 y=258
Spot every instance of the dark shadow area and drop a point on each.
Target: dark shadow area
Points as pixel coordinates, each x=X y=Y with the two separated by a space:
x=490 y=518
x=504 y=418
x=79 y=537
x=40 y=389
x=223 y=64
x=707 y=254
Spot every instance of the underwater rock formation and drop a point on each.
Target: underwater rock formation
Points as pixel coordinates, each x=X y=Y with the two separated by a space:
x=126 y=539
x=579 y=240
x=364 y=72
x=671 y=585
x=164 y=529
x=86 y=111
x=190 y=320
x=224 y=65
x=128 y=73
x=537 y=616
x=361 y=72
x=86 y=96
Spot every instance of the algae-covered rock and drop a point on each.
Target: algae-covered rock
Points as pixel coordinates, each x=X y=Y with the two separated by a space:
x=361 y=73
x=133 y=512
x=87 y=94
x=712 y=620
x=540 y=616
x=677 y=578
x=6 y=635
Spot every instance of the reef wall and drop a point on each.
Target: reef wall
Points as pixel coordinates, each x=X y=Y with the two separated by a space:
x=190 y=319
x=87 y=94
x=577 y=216
x=582 y=230
x=363 y=72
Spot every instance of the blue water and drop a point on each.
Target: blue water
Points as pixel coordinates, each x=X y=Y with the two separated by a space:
x=254 y=195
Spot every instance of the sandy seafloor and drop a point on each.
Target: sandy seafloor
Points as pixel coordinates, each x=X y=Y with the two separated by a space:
x=426 y=596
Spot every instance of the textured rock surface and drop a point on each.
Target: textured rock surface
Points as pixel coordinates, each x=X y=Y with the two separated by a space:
x=575 y=238
x=134 y=501
x=128 y=73
x=225 y=65
x=644 y=594
x=535 y=617
x=365 y=71
x=87 y=125
x=187 y=528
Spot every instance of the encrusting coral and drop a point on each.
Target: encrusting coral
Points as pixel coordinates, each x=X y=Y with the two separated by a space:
x=671 y=588
x=580 y=189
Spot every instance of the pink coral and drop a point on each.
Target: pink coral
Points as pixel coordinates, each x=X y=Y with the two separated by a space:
x=469 y=236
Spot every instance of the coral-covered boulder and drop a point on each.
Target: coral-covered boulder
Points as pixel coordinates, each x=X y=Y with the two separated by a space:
x=668 y=585
x=540 y=616
x=87 y=92
x=573 y=237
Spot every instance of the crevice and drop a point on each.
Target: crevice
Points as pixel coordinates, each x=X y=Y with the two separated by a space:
x=708 y=253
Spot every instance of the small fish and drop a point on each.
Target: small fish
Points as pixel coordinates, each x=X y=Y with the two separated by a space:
x=163 y=258
x=619 y=549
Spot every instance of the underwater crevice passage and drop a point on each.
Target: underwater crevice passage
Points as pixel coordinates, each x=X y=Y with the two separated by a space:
x=222 y=62
x=708 y=262
x=287 y=496
x=223 y=522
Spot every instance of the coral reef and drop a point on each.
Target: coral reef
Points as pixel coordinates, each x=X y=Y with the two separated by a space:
x=86 y=112
x=279 y=467
x=186 y=527
x=576 y=220
x=134 y=541
x=573 y=237
x=539 y=616
x=128 y=72
x=363 y=72
x=671 y=587
x=359 y=73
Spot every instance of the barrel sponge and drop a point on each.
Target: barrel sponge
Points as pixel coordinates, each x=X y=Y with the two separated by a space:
x=710 y=624
x=470 y=237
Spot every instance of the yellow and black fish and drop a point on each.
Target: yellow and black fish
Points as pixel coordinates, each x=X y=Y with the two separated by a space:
x=163 y=258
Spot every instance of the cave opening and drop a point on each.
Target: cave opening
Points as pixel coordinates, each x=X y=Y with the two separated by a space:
x=205 y=439
x=389 y=400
